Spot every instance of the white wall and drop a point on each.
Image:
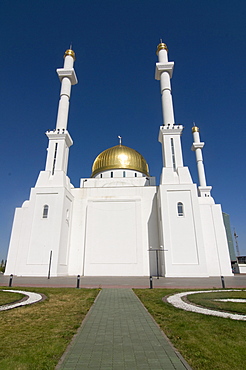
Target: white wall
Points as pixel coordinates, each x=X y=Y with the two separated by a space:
x=108 y=229
x=181 y=235
x=34 y=237
x=242 y=268
x=111 y=231
x=215 y=240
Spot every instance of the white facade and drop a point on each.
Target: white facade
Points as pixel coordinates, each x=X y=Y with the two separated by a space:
x=242 y=268
x=119 y=223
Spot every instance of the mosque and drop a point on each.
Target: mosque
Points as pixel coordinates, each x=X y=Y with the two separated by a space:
x=119 y=222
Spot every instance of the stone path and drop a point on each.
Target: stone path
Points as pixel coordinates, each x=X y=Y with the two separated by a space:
x=237 y=281
x=118 y=333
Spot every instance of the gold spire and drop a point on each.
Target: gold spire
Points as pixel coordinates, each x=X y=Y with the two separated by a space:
x=195 y=129
x=120 y=157
x=70 y=52
x=161 y=46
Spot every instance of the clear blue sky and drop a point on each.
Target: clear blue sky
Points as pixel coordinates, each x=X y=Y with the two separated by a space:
x=115 y=44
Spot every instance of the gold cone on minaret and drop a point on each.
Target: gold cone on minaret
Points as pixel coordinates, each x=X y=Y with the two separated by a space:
x=160 y=47
x=70 y=52
x=195 y=129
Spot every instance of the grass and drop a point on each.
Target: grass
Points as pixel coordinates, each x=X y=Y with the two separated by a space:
x=7 y=297
x=208 y=300
x=206 y=342
x=35 y=336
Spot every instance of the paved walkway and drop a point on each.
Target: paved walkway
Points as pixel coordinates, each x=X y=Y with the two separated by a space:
x=118 y=333
x=237 y=281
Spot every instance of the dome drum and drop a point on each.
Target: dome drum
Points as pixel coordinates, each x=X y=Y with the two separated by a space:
x=119 y=173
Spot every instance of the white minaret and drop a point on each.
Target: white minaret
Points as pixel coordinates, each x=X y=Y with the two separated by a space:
x=67 y=77
x=204 y=190
x=164 y=71
x=173 y=171
x=59 y=138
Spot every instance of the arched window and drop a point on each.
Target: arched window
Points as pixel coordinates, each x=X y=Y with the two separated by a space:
x=45 y=211
x=124 y=173
x=111 y=174
x=180 y=209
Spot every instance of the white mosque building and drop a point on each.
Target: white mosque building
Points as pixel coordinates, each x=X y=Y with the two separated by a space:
x=118 y=222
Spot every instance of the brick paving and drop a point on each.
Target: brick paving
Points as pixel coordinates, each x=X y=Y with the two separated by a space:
x=237 y=281
x=119 y=333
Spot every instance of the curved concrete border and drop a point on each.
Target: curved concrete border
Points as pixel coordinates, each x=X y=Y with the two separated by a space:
x=176 y=301
x=235 y=300
x=32 y=298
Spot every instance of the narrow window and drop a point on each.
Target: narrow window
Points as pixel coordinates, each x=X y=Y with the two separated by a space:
x=124 y=173
x=135 y=174
x=180 y=209
x=173 y=154
x=112 y=174
x=45 y=211
x=67 y=216
x=101 y=175
x=54 y=159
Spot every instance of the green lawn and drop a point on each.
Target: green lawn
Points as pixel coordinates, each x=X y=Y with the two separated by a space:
x=208 y=300
x=34 y=337
x=206 y=342
x=7 y=297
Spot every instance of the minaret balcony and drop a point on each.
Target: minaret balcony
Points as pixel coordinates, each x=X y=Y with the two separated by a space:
x=163 y=67
x=69 y=73
x=197 y=146
x=60 y=134
x=171 y=129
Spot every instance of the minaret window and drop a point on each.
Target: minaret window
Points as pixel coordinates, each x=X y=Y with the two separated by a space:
x=112 y=174
x=180 y=209
x=45 y=211
x=173 y=154
x=67 y=216
x=54 y=160
x=124 y=173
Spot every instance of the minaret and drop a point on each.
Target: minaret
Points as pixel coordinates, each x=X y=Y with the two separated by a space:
x=204 y=190
x=173 y=171
x=59 y=138
x=67 y=77
x=164 y=71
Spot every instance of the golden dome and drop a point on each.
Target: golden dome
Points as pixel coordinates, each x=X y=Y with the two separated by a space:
x=120 y=157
